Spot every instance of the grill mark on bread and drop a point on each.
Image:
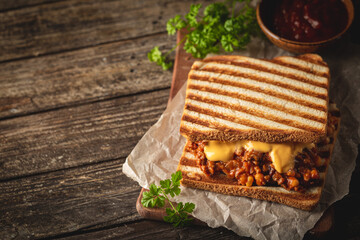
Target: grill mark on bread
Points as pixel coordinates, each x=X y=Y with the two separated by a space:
x=213 y=69
x=232 y=119
x=251 y=111
x=216 y=134
x=258 y=89
x=316 y=65
x=310 y=58
x=300 y=67
x=254 y=109
x=273 y=70
x=270 y=69
x=266 y=103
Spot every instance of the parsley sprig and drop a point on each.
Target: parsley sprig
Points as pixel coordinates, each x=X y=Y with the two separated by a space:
x=222 y=24
x=155 y=197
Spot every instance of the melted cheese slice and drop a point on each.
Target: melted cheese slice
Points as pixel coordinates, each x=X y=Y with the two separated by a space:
x=282 y=154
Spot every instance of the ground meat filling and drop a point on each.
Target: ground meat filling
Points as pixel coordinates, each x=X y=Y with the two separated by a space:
x=250 y=168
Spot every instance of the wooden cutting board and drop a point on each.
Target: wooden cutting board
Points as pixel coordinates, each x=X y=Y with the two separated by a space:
x=182 y=65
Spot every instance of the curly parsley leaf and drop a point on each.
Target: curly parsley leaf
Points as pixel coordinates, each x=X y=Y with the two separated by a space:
x=228 y=41
x=218 y=11
x=156 y=56
x=177 y=215
x=191 y=16
x=174 y=24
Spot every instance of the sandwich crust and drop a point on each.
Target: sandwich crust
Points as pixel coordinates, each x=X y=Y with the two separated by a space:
x=226 y=135
x=305 y=201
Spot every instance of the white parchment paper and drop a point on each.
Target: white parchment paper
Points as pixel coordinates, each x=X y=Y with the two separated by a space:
x=157 y=154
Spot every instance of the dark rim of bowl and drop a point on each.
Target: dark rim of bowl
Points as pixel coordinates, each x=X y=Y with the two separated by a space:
x=266 y=30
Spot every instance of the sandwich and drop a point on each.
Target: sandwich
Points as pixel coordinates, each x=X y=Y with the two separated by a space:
x=257 y=128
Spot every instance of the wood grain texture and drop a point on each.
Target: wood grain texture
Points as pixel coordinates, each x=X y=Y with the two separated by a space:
x=80 y=76
x=66 y=201
x=75 y=136
x=6 y=5
x=146 y=229
x=72 y=24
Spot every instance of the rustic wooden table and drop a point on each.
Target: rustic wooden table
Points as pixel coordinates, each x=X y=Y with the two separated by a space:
x=76 y=94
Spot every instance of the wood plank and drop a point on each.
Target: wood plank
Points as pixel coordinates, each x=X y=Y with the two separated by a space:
x=66 y=201
x=147 y=229
x=80 y=76
x=6 y=5
x=79 y=135
x=75 y=24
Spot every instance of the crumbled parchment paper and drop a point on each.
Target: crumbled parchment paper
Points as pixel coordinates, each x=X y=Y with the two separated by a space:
x=157 y=154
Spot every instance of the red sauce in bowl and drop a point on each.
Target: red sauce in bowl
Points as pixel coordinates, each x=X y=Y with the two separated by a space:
x=309 y=20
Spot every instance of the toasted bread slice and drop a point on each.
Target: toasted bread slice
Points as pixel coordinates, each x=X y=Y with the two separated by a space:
x=231 y=98
x=193 y=177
